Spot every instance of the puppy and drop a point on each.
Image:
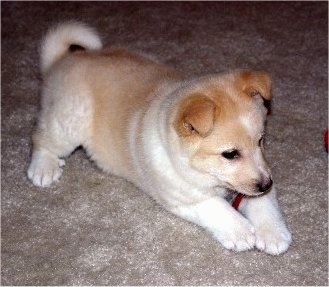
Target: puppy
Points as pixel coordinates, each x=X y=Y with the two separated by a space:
x=190 y=144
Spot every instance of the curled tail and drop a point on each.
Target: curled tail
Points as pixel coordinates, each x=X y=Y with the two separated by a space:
x=64 y=36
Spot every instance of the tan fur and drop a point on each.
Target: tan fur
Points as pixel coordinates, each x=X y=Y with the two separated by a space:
x=196 y=115
x=251 y=82
x=144 y=78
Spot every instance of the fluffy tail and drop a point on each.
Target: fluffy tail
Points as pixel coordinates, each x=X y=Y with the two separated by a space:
x=59 y=39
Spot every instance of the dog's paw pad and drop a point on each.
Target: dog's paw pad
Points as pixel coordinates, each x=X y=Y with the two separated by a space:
x=273 y=241
x=44 y=169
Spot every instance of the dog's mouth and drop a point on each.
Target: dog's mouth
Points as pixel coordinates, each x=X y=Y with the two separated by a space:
x=236 y=191
x=244 y=193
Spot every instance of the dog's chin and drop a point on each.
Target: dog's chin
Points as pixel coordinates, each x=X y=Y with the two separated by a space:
x=245 y=192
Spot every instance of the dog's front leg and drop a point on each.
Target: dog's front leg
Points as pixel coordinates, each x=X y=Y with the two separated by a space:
x=272 y=235
x=229 y=227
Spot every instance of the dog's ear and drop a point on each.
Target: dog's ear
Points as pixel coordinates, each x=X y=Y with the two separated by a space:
x=196 y=116
x=257 y=84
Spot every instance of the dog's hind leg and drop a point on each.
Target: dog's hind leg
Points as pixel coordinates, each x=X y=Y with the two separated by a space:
x=50 y=144
x=45 y=168
x=63 y=126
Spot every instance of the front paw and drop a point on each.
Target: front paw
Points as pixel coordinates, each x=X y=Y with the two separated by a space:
x=274 y=239
x=239 y=236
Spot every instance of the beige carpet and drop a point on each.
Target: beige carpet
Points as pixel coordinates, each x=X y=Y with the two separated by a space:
x=95 y=229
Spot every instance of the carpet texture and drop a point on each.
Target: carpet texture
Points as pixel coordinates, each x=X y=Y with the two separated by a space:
x=92 y=228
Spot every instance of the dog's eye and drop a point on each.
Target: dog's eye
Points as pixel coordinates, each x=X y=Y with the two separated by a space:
x=231 y=154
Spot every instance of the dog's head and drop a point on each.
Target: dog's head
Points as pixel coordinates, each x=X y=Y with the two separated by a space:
x=220 y=125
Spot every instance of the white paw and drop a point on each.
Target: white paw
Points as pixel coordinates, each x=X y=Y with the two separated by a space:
x=239 y=236
x=44 y=168
x=273 y=240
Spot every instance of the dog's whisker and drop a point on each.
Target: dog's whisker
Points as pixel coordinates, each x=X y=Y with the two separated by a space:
x=275 y=164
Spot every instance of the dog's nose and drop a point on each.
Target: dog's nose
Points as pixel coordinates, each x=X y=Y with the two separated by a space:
x=264 y=185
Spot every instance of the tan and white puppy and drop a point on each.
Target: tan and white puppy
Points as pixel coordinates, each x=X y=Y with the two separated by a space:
x=187 y=143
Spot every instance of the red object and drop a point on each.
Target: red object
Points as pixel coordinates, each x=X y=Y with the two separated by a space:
x=326 y=140
x=237 y=200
